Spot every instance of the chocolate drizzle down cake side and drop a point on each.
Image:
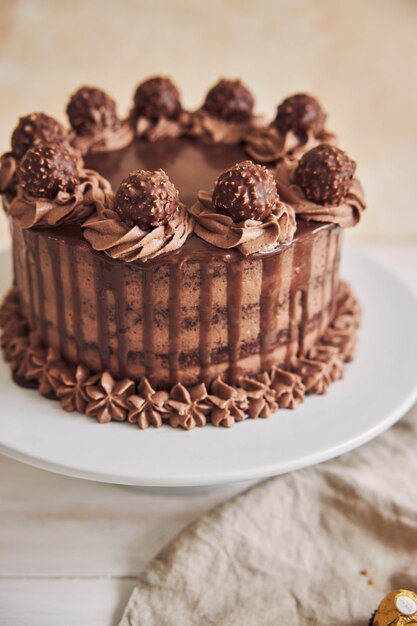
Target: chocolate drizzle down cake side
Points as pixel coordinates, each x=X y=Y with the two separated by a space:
x=165 y=270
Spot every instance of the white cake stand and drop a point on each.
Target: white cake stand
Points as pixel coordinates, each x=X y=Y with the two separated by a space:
x=379 y=387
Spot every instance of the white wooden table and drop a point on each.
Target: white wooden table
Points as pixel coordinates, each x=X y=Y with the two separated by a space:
x=70 y=549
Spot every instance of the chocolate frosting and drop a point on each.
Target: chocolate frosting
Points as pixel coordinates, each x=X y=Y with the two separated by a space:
x=106 y=232
x=267 y=145
x=101 y=396
x=92 y=191
x=212 y=129
x=248 y=236
x=104 y=140
x=162 y=128
x=8 y=166
x=346 y=214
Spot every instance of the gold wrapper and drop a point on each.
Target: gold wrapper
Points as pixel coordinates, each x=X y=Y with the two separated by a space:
x=397 y=608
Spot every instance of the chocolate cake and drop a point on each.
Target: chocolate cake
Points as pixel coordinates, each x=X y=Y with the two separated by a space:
x=178 y=267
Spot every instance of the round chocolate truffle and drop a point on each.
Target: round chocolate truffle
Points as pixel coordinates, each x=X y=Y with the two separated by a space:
x=91 y=110
x=302 y=114
x=230 y=101
x=47 y=169
x=245 y=191
x=146 y=199
x=325 y=174
x=157 y=98
x=34 y=129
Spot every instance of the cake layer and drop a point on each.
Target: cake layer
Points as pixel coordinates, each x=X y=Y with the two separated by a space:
x=188 y=316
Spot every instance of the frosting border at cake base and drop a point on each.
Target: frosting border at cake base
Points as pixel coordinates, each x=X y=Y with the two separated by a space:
x=107 y=399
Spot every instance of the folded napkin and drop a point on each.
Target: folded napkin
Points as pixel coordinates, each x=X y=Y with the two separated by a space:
x=320 y=546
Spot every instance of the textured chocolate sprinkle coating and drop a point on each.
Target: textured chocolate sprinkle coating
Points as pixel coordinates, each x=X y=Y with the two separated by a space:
x=146 y=199
x=302 y=114
x=47 y=169
x=245 y=191
x=230 y=101
x=91 y=110
x=35 y=129
x=325 y=174
x=157 y=98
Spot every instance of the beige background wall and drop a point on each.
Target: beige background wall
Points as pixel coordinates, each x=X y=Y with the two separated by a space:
x=359 y=56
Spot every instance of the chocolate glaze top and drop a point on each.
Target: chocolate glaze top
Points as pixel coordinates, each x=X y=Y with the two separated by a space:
x=190 y=165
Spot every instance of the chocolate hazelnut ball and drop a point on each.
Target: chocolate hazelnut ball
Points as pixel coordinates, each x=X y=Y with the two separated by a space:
x=245 y=191
x=47 y=169
x=35 y=129
x=91 y=110
x=230 y=101
x=325 y=174
x=146 y=199
x=302 y=114
x=156 y=98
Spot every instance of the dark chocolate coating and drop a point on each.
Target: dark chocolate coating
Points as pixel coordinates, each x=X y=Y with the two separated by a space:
x=91 y=110
x=146 y=199
x=156 y=98
x=230 y=101
x=245 y=191
x=325 y=174
x=301 y=114
x=47 y=169
x=35 y=129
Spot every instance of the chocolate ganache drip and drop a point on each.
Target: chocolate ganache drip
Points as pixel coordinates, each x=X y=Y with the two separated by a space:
x=321 y=186
x=146 y=219
x=244 y=211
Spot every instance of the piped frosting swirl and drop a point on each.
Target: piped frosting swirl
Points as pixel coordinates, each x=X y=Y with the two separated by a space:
x=66 y=207
x=346 y=214
x=106 y=232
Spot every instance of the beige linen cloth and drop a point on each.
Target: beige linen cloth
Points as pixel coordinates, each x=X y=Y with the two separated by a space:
x=290 y=550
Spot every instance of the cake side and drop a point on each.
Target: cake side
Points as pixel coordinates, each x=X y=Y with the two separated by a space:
x=186 y=317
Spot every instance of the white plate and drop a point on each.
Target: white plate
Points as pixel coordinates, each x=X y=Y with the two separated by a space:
x=377 y=390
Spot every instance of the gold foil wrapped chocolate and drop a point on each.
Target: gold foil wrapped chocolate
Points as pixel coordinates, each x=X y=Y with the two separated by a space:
x=397 y=608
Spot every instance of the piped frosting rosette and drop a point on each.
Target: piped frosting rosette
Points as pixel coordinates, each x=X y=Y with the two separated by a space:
x=248 y=235
x=323 y=204
x=267 y=145
x=227 y=114
x=106 y=232
x=66 y=207
x=53 y=188
x=157 y=112
x=299 y=125
x=244 y=212
x=96 y=126
x=104 y=140
x=145 y=220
